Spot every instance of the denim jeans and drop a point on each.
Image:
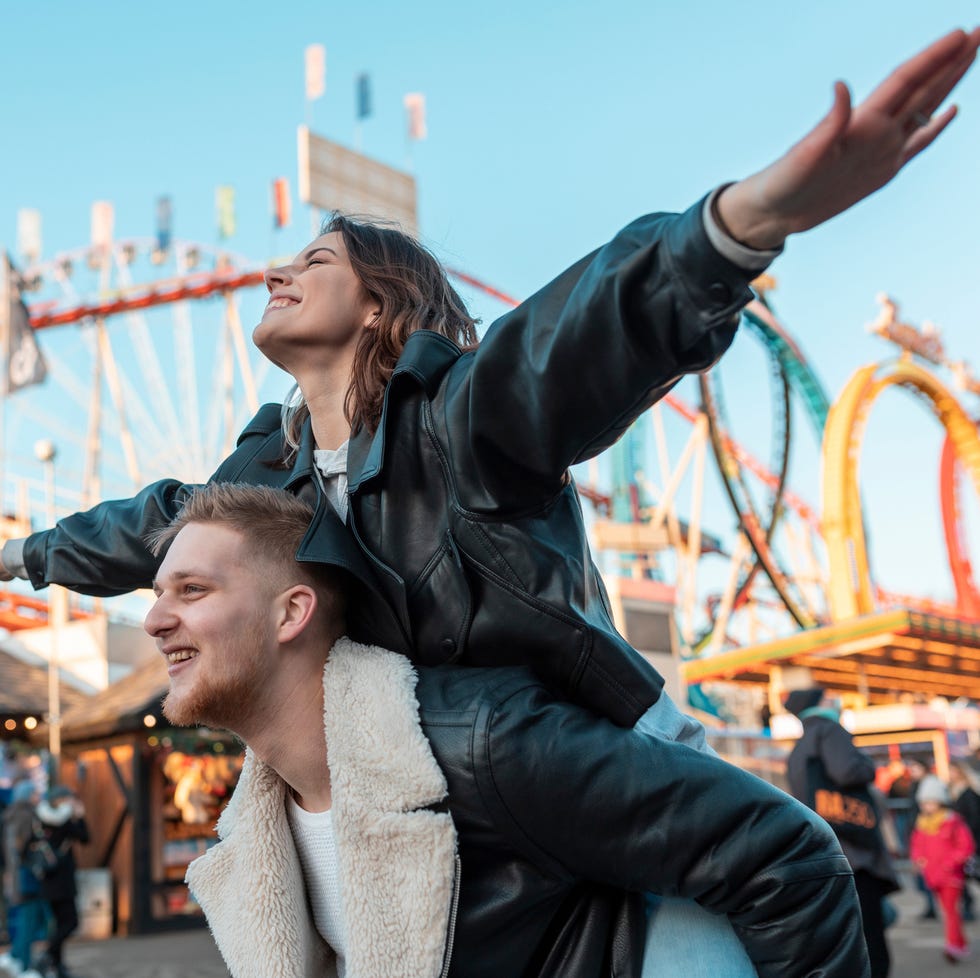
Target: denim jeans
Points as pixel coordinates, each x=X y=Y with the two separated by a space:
x=683 y=939
x=28 y=923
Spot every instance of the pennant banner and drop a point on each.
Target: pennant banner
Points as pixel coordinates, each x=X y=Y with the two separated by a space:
x=24 y=363
x=363 y=96
x=29 y=234
x=280 y=203
x=415 y=107
x=165 y=218
x=224 y=202
x=103 y=219
x=316 y=71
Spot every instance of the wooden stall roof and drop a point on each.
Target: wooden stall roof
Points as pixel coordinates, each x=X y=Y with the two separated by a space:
x=121 y=706
x=882 y=655
x=24 y=688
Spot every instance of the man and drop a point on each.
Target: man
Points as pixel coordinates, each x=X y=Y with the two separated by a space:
x=826 y=741
x=392 y=822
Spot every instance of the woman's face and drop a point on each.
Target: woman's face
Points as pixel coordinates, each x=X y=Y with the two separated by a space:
x=317 y=307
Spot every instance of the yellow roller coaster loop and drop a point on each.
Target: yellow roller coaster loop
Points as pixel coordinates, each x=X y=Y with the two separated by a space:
x=851 y=591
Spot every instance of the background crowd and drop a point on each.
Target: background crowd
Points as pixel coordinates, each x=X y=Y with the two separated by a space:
x=39 y=885
x=899 y=814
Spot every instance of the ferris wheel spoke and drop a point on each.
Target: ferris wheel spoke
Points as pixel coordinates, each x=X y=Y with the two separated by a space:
x=149 y=362
x=161 y=452
x=45 y=422
x=66 y=379
x=125 y=397
x=241 y=352
x=217 y=435
x=185 y=361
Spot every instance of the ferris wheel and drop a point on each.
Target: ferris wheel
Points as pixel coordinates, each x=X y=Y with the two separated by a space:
x=150 y=372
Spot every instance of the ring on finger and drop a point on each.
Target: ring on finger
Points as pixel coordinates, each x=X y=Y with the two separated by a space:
x=921 y=119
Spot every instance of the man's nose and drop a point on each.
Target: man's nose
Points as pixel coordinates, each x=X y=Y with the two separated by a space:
x=158 y=620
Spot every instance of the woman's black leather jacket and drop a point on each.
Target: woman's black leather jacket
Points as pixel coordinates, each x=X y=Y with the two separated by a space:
x=470 y=540
x=565 y=821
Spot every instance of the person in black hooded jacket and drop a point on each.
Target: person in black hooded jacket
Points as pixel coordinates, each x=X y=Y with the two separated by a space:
x=846 y=766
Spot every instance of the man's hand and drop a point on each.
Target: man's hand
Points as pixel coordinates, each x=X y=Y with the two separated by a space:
x=852 y=152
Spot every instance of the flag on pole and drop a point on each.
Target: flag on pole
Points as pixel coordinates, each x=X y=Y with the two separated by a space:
x=415 y=107
x=29 y=234
x=363 y=96
x=224 y=203
x=24 y=364
x=316 y=71
x=103 y=218
x=165 y=219
x=280 y=203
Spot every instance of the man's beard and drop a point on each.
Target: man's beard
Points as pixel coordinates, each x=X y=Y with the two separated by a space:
x=222 y=701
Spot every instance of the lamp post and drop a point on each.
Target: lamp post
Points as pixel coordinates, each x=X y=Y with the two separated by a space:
x=45 y=453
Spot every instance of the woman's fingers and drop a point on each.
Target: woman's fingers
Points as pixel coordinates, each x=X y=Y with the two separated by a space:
x=924 y=135
x=904 y=85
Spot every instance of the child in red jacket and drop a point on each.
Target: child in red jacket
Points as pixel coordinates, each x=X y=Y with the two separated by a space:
x=940 y=845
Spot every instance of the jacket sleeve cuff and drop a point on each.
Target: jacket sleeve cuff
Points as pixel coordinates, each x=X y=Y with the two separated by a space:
x=751 y=259
x=12 y=560
x=705 y=279
x=34 y=556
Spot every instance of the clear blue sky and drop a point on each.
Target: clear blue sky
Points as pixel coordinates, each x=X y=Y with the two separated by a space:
x=550 y=125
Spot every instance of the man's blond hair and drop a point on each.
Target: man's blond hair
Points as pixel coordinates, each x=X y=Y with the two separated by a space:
x=273 y=524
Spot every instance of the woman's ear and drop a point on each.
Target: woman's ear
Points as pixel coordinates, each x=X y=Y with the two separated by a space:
x=297 y=608
x=372 y=319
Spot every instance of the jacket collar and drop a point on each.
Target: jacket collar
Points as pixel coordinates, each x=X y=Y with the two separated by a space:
x=424 y=360
x=396 y=855
x=303 y=463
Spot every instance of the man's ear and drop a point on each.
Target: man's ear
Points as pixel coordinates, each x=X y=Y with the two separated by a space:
x=297 y=607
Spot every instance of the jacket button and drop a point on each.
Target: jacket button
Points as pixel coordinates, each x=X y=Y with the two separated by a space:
x=720 y=293
x=448 y=646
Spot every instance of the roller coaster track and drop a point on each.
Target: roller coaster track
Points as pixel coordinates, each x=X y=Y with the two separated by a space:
x=791 y=375
x=967 y=596
x=851 y=592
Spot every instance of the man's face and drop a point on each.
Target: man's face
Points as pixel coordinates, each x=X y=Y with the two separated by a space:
x=213 y=620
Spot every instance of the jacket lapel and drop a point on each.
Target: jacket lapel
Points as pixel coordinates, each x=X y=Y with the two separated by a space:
x=250 y=886
x=426 y=357
x=397 y=857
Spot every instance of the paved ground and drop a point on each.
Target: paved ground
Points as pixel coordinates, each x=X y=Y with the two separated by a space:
x=916 y=948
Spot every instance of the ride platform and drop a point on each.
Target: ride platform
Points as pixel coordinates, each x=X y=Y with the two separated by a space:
x=879 y=656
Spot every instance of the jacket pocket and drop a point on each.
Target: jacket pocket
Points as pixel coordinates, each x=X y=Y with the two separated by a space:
x=441 y=606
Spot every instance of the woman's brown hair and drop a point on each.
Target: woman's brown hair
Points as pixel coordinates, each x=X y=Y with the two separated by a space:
x=412 y=289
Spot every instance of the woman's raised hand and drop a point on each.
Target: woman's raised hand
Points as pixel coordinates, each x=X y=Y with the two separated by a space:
x=852 y=151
